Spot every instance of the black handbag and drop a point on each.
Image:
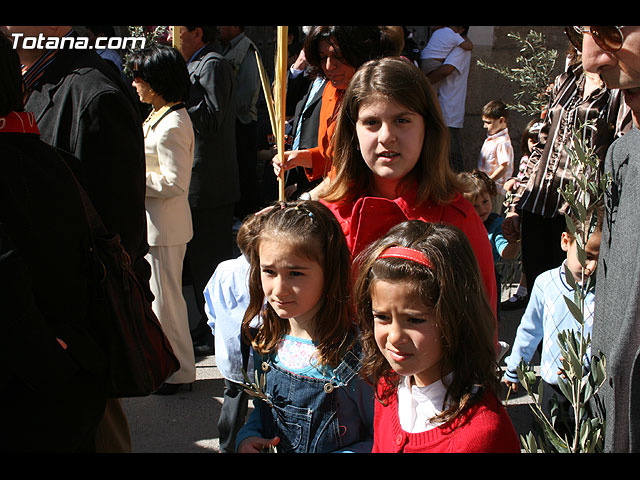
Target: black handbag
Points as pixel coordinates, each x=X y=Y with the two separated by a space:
x=138 y=354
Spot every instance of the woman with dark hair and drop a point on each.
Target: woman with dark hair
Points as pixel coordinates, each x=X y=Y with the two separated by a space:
x=335 y=52
x=161 y=80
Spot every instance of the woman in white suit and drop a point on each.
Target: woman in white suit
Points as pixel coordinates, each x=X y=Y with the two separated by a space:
x=161 y=80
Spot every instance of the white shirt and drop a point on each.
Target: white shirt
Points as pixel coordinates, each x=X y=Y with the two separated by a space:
x=226 y=299
x=417 y=405
x=441 y=43
x=452 y=90
x=497 y=151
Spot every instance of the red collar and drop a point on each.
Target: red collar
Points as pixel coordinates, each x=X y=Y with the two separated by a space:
x=19 y=122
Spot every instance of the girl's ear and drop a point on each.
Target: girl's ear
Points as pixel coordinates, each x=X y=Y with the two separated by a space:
x=565 y=241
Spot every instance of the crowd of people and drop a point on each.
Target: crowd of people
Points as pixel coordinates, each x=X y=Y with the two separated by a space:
x=367 y=303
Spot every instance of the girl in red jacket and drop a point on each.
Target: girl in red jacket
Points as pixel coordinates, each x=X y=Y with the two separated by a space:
x=391 y=155
x=427 y=337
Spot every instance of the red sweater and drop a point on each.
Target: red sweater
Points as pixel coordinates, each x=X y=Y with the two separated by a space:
x=484 y=428
x=369 y=218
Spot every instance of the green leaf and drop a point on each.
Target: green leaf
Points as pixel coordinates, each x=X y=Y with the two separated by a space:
x=564 y=388
x=571 y=227
x=574 y=309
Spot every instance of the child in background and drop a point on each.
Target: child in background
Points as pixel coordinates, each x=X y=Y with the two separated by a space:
x=480 y=193
x=226 y=300
x=430 y=355
x=440 y=44
x=315 y=401
x=496 y=155
x=547 y=313
x=531 y=136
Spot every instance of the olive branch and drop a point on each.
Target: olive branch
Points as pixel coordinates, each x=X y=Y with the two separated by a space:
x=581 y=373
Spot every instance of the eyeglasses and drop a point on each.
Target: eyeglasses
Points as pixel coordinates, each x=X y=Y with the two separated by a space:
x=607 y=38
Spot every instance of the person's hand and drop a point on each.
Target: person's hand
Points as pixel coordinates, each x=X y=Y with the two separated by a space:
x=512 y=385
x=511 y=227
x=509 y=184
x=292 y=159
x=301 y=62
x=256 y=444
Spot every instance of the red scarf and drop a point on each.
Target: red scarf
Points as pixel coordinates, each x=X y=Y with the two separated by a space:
x=19 y=122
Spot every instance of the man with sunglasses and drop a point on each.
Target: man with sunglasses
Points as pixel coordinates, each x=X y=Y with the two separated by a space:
x=614 y=54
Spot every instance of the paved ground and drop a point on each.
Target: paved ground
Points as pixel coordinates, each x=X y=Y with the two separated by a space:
x=187 y=421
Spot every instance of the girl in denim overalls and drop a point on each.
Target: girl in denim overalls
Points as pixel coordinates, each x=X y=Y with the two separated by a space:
x=306 y=348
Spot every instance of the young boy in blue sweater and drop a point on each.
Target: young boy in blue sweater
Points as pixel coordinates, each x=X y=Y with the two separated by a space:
x=547 y=313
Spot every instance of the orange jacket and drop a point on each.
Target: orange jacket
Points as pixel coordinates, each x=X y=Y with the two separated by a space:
x=321 y=155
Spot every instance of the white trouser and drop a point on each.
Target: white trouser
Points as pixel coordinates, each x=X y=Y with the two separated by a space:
x=171 y=308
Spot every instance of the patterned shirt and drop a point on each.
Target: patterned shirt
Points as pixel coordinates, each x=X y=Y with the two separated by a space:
x=548 y=167
x=546 y=316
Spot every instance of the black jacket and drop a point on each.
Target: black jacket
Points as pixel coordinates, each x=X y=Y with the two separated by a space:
x=51 y=399
x=83 y=107
x=212 y=108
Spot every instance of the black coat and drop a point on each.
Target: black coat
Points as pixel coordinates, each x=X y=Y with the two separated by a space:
x=309 y=117
x=83 y=107
x=212 y=108
x=51 y=399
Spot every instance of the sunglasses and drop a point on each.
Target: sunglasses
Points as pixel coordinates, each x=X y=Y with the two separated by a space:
x=607 y=38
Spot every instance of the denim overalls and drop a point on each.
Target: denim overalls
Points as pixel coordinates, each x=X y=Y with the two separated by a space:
x=302 y=411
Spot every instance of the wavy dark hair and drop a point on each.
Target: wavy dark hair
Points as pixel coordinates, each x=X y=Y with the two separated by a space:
x=164 y=69
x=453 y=288
x=356 y=44
x=313 y=232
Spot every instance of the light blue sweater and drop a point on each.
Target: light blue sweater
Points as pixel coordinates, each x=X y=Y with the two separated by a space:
x=545 y=317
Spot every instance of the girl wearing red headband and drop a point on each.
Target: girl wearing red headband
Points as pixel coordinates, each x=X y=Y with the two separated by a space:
x=427 y=337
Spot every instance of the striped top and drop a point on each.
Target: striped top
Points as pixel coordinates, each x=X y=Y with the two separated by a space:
x=548 y=169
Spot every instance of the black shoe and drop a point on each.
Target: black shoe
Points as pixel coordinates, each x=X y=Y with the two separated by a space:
x=519 y=302
x=202 y=350
x=203 y=346
x=172 y=388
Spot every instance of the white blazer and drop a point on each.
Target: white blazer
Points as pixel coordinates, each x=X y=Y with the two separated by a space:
x=168 y=145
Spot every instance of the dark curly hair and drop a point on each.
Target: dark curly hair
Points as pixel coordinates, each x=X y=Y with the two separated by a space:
x=356 y=44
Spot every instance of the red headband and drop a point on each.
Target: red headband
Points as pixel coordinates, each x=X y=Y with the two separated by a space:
x=406 y=253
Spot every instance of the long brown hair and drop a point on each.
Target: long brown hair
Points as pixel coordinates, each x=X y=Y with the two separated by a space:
x=453 y=288
x=313 y=232
x=395 y=79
